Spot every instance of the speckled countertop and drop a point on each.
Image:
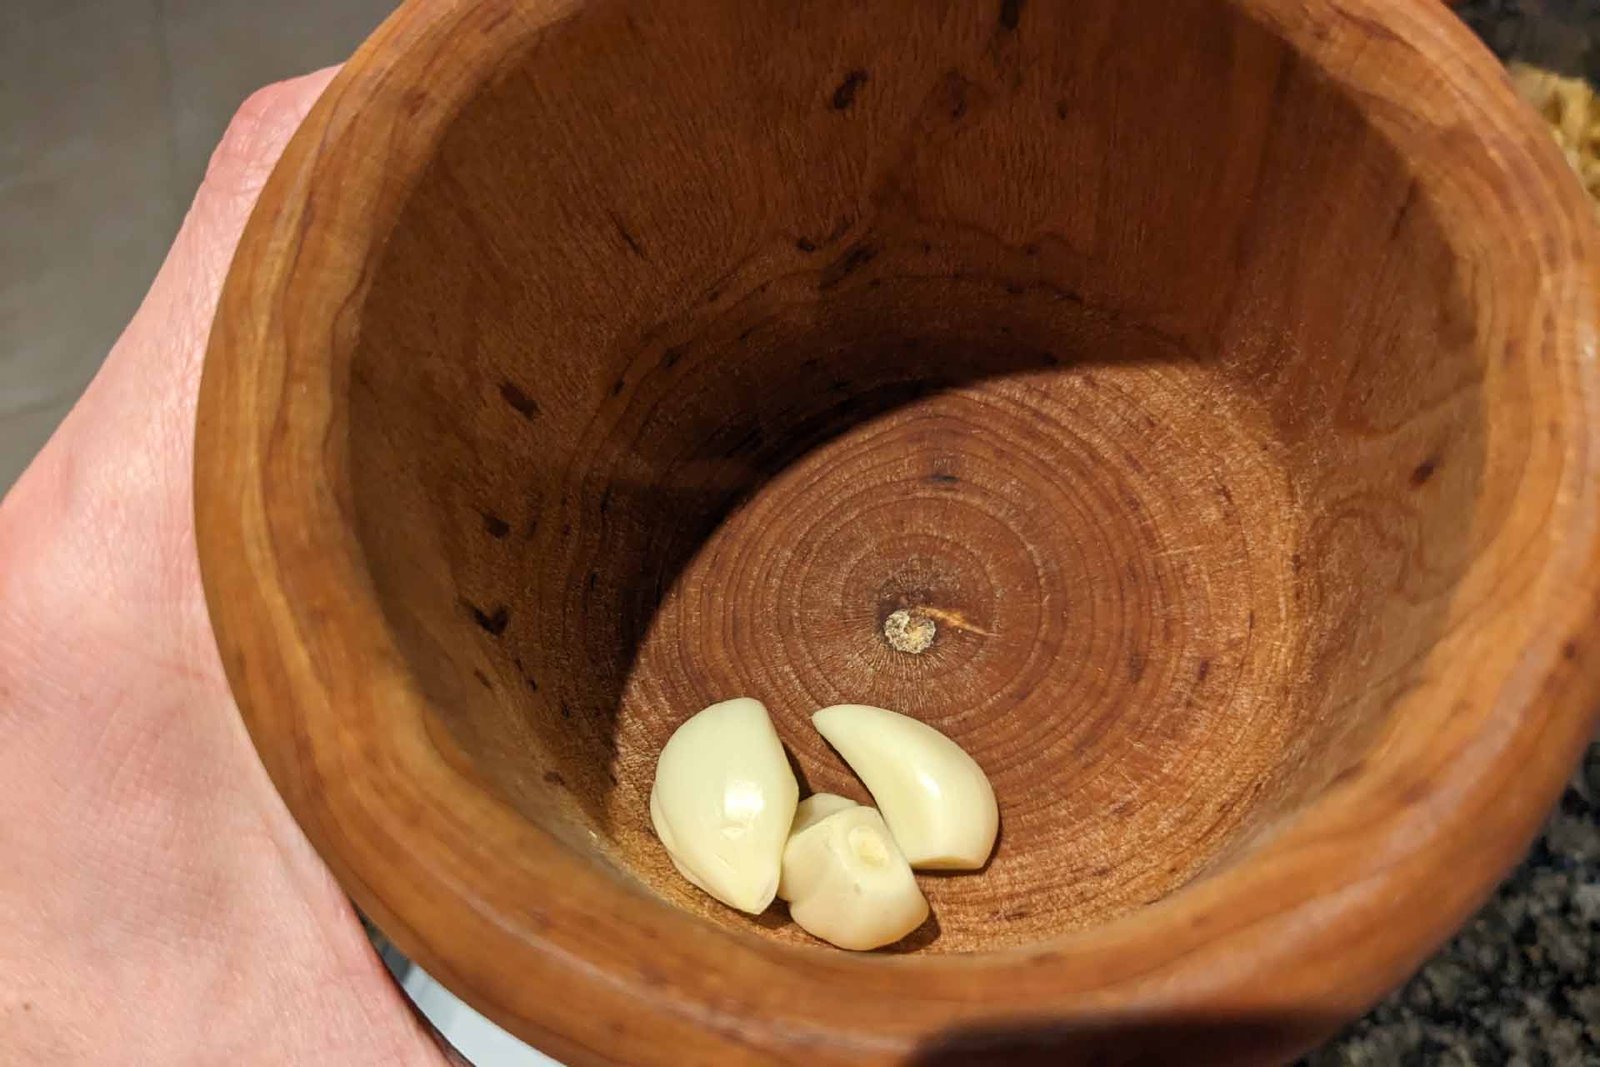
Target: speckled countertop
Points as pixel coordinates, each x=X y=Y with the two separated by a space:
x=1563 y=35
x=1521 y=984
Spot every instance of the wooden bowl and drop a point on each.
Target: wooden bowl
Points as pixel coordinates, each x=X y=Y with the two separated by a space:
x=1217 y=378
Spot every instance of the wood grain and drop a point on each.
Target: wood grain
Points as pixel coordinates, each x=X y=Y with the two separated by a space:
x=1220 y=384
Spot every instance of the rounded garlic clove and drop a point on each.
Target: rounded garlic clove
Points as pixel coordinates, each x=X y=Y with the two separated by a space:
x=723 y=802
x=812 y=810
x=935 y=798
x=848 y=884
x=816 y=807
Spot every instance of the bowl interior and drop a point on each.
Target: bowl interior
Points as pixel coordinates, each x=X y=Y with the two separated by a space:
x=1123 y=351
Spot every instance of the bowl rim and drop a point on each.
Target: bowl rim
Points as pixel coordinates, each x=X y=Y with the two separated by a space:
x=486 y=902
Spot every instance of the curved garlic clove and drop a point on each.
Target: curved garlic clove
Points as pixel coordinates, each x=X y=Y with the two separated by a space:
x=723 y=802
x=936 y=799
x=848 y=884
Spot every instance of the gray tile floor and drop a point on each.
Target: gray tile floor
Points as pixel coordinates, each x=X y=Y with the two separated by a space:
x=108 y=113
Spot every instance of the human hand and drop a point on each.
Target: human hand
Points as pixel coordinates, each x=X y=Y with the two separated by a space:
x=158 y=905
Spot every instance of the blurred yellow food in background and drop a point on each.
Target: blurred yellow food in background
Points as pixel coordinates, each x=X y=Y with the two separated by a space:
x=1573 y=113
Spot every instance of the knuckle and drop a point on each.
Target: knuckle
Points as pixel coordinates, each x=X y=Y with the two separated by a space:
x=252 y=141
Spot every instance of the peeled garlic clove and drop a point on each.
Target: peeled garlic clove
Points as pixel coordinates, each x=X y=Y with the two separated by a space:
x=848 y=884
x=812 y=810
x=816 y=807
x=723 y=802
x=664 y=832
x=936 y=799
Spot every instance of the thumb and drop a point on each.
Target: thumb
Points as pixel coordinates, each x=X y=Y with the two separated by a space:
x=137 y=416
x=172 y=326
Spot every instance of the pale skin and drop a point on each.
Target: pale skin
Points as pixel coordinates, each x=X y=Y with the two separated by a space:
x=158 y=905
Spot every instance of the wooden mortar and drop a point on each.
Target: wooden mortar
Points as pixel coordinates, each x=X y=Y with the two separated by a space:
x=1213 y=381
